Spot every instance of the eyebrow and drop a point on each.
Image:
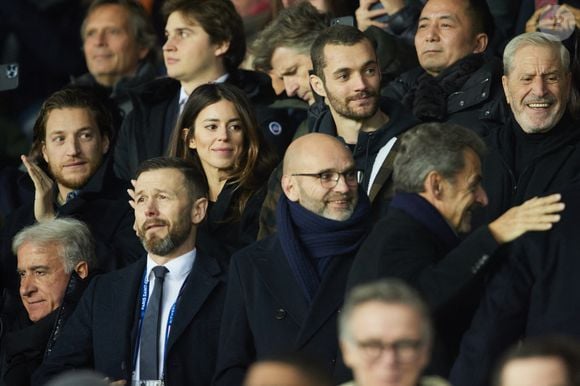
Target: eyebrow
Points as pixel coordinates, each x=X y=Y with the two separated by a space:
x=33 y=268
x=442 y=17
x=60 y=131
x=348 y=69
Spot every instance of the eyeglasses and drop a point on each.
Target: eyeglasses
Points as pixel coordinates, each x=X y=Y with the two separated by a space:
x=329 y=180
x=405 y=350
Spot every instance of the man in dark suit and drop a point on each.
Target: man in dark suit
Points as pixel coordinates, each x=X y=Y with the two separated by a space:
x=286 y=290
x=437 y=175
x=111 y=327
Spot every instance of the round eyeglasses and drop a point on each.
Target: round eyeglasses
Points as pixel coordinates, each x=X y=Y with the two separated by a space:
x=329 y=180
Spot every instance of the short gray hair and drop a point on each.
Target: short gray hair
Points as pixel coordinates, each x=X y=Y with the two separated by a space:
x=432 y=147
x=387 y=291
x=73 y=237
x=534 y=39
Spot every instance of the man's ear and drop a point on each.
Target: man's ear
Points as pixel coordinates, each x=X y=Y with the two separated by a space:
x=198 y=210
x=317 y=85
x=43 y=149
x=105 y=144
x=222 y=48
x=433 y=186
x=481 y=40
x=505 y=85
x=289 y=188
x=82 y=269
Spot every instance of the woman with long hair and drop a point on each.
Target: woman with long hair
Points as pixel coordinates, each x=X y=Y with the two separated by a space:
x=218 y=132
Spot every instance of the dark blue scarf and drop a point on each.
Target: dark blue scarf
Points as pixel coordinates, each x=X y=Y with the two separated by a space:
x=310 y=241
x=425 y=213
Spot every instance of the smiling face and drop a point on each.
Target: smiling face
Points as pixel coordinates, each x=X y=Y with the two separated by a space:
x=445 y=34
x=73 y=147
x=218 y=136
x=462 y=194
x=293 y=66
x=111 y=50
x=189 y=54
x=315 y=156
x=43 y=278
x=381 y=324
x=351 y=80
x=537 y=88
x=165 y=213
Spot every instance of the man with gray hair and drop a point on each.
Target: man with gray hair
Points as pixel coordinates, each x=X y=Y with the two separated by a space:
x=537 y=150
x=437 y=177
x=386 y=335
x=120 y=48
x=54 y=261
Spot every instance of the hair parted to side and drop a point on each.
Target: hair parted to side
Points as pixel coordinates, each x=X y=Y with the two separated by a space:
x=257 y=159
x=195 y=180
x=220 y=21
x=140 y=24
x=388 y=291
x=565 y=348
x=537 y=39
x=339 y=35
x=432 y=147
x=296 y=27
x=73 y=237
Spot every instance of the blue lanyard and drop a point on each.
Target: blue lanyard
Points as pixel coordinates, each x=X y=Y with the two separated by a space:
x=144 y=300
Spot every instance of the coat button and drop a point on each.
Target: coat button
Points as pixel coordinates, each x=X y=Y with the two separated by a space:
x=280 y=314
x=483 y=94
x=461 y=103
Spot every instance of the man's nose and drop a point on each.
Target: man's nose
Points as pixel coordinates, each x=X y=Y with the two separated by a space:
x=72 y=146
x=290 y=85
x=27 y=286
x=539 y=86
x=481 y=196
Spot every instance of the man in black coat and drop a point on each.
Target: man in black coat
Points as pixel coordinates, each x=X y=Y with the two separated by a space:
x=285 y=292
x=107 y=330
x=437 y=176
x=74 y=178
x=204 y=44
x=55 y=259
x=454 y=82
x=538 y=149
x=545 y=157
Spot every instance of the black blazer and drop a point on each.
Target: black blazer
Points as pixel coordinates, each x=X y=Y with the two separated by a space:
x=102 y=331
x=266 y=313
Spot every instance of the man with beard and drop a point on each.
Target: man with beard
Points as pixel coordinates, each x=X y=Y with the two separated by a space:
x=437 y=175
x=157 y=318
x=72 y=177
x=285 y=292
x=538 y=149
x=347 y=74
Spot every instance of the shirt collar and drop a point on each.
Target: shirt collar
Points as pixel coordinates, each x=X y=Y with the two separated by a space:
x=178 y=267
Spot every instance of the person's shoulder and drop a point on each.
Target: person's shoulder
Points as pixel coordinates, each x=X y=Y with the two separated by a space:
x=260 y=249
x=156 y=90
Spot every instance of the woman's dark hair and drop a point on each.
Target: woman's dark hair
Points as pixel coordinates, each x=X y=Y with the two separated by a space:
x=252 y=169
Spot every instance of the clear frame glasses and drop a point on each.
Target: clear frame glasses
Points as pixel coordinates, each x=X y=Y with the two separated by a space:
x=329 y=179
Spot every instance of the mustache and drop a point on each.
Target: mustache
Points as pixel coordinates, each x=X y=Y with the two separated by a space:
x=362 y=94
x=546 y=99
x=153 y=222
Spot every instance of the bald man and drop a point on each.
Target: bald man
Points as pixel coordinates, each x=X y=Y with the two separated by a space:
x=285 y=291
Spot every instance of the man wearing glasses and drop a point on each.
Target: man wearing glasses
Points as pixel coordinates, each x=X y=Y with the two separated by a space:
x=386 y=335
x=285 y=291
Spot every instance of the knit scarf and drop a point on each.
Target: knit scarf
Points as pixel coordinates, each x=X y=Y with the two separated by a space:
x=310 y=241
x=428 y=98
x=425 y=213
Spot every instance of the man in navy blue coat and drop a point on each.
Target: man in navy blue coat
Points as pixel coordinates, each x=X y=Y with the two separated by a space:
x=170 y=200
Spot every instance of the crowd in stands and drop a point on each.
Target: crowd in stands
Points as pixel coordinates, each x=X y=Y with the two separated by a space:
x=289 y=193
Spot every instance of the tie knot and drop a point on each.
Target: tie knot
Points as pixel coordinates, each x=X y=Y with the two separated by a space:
x=159 y=271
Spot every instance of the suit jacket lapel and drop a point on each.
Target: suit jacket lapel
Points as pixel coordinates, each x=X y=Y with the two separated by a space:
x=202 y=279
x=124 y=300
x=276 y=274
x=328 y=300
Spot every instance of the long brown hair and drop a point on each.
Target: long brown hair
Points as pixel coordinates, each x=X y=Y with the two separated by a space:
x=256 y=161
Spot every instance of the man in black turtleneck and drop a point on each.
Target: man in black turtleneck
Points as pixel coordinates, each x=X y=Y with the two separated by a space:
x=285 y=291
x=454 y=82
x=537 y=150
x=535 y=291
